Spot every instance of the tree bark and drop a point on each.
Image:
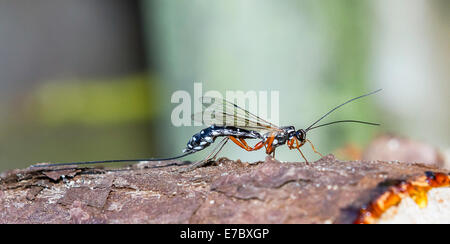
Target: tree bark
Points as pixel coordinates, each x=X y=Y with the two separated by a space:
x=326 y=191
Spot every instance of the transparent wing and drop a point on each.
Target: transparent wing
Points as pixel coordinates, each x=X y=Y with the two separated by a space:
x=224 y=113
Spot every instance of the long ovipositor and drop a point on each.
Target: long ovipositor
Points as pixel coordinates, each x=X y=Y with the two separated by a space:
x=269 y=135
x=112 y=161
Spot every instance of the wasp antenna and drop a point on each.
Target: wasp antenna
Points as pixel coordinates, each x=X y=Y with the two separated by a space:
x=110 y=161
x=343 y=121
x=351 y=100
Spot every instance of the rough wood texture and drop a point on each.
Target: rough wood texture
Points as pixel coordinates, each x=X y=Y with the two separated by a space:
x=326 y=191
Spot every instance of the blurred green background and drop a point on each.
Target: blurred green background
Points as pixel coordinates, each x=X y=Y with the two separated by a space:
x=92 y=79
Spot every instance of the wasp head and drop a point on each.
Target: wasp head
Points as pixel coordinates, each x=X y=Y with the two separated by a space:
x=301 y=135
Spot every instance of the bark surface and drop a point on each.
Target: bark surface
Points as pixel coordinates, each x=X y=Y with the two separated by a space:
x=325 y=191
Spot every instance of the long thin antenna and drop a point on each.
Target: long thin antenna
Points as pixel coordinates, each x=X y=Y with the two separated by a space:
x=351 y=100
x=111 y=161
x=343 y=121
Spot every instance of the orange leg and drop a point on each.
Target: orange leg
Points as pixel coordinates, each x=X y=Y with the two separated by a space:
x=306 y=160
x=243 y=144
x=314 y=149
x=269 y=141
x=298 y=145
x=290 y=143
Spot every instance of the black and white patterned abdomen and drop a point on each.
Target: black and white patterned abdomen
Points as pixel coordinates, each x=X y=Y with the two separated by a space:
x=207 y=136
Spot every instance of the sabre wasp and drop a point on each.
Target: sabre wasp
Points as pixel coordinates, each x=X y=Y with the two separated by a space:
x=237 y=124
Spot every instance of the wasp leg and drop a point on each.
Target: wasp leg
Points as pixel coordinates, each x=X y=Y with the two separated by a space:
x=220 y=149
x=211 y=157
x=306 y=160
x=298 y=145
x=290 y=143
x=269 y=148
x=314 y=149
x=243 y=144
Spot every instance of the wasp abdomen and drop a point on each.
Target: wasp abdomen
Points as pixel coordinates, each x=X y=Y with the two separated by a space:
x=207 y=136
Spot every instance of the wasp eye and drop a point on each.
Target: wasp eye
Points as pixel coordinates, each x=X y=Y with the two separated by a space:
x=300 y=135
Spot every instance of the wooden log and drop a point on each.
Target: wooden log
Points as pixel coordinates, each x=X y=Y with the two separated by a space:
x=326 y=191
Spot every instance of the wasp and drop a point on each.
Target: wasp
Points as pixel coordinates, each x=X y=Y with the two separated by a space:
x=237 y=124
x=233 y=123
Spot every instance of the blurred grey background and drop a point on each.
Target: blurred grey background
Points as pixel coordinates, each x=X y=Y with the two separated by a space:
x=92 y=79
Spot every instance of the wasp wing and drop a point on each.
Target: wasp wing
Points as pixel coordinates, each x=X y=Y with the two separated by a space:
x=224 y=113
